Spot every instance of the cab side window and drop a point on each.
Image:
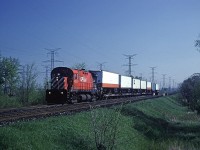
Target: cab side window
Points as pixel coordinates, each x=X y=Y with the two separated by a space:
x=75 y=76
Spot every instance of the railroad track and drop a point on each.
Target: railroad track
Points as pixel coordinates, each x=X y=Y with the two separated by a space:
x=9 y=116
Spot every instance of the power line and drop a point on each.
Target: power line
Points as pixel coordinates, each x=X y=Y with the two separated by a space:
x=52 y=52
x=129 y=57
x=46 y=77
x=101 y=65
x=169 y=83
x=141 y=76
x=164 y=75
x=153 y=74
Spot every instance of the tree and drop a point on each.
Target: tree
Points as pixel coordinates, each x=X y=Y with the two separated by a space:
x=105 y=126
x=197 y=44
x=190 y=91
x=27 y=82
x=9 y=74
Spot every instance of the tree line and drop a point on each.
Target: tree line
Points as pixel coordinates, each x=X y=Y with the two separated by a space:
x=190 y=88
x=19 y=82
x=190 y=92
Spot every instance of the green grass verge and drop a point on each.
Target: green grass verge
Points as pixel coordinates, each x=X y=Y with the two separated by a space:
x=165 y=123
x=9 y=102
x=155 y=124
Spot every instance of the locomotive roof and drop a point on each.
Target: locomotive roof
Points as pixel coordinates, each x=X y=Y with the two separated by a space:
x=64 y=71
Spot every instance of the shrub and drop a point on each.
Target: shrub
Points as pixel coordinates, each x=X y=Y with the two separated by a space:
x=190 y=90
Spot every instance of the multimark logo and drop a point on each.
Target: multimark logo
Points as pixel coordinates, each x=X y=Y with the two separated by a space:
x=83 y=79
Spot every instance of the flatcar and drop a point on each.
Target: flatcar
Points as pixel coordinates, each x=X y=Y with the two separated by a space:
x=69 y=85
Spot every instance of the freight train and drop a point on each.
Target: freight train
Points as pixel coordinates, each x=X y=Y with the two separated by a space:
x=70 y=85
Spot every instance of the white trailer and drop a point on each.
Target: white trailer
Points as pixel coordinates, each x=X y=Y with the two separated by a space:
x=126 y=82
x=107 y=79
x=149 y=86
x=136 y=84
x=143 y=85
x=157 y=87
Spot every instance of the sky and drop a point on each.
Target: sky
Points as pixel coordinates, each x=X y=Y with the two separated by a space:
x=161 y=32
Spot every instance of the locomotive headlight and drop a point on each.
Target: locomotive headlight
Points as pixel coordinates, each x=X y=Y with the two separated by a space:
x=49 y=93
x=61 y=93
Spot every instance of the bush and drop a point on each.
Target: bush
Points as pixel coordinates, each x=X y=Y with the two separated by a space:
x=190 y=91
x=37 y=97
x=9 y=102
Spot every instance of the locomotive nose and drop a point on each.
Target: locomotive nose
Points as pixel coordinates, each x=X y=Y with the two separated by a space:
x=56 y=96
x=60 y=85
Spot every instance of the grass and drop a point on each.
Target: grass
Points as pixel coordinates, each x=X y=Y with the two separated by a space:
x=36 y=98
x=9 y=102
x=155 y=124
x=164 y=120
x=53 y=133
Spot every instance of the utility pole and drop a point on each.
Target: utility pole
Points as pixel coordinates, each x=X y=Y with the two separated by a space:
x=173 y=84
x=164 y=75
x=46 y=77
x=52 y=52
x=169 y=83
x=141 y=76
x=153 y=74
x=101 y=65
x=130 y=57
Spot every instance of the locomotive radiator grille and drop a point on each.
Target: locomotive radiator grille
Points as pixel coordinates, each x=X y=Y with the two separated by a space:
x=57 y=83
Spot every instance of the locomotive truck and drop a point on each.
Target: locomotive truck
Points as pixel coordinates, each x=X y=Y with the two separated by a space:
x=69 y=85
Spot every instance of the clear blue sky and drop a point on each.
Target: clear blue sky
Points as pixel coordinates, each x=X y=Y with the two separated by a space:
x=160 y=32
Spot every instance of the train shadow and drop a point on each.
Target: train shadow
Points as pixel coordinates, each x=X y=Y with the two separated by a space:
x=161 y=129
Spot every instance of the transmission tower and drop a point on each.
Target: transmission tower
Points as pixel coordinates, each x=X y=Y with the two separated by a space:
x=164 y=75
x=153 y=74
x=141 y=76
x=52 y=52
x=130 y=57
x=101 y=65
x=46 y=77
x=169 y=83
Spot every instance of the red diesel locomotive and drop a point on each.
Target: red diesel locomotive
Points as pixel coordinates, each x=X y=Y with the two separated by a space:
x=68 y=84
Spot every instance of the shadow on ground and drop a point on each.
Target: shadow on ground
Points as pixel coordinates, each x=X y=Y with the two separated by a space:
x=158 y=128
